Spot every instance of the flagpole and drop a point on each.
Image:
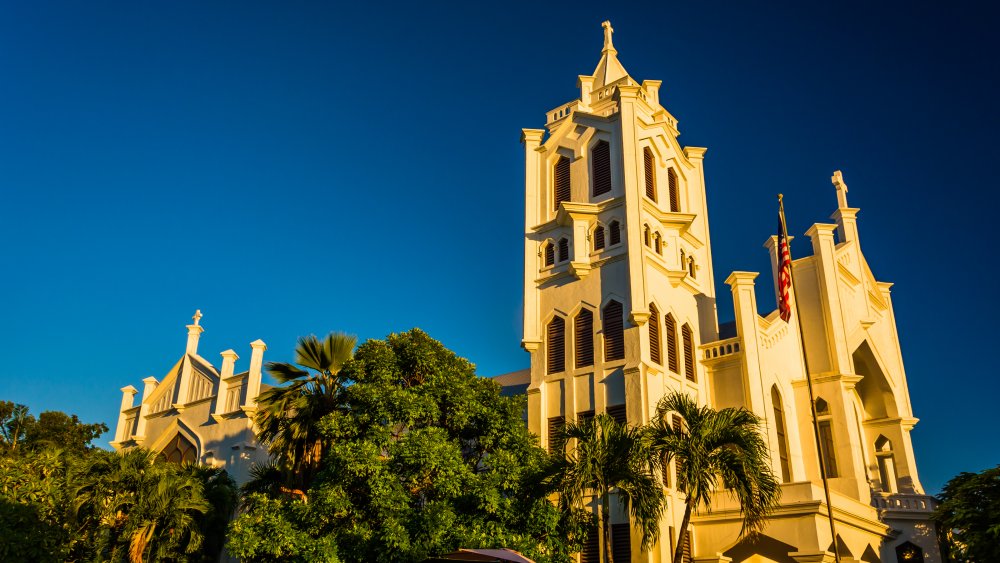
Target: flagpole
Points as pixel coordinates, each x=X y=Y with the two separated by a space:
x=805 y=362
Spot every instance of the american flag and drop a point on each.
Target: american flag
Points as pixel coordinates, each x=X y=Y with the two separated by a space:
x=784 y=271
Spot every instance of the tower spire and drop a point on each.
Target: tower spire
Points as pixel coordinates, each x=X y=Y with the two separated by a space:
x=609 y=69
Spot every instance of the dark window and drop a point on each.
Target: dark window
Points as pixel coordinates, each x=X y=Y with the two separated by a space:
x=599 y=238
x=179 y=450
x=691 y=267
x=616 y=234
x=584 y=416
x=647 y=160
x=562 y=182
x=600 y=158
x=645 y=235
x=686 y=550
x=563 y=249
x=614 y=332
x=617 y=412
x=678 y=426
x=549 y=251
x=657 y=244
x=779 y=426
x=556 y=346
x=654 y=335
x=675 y=196
x=688 y=337
x=583 y=338
x=621 y=542
x=907 y=552
x=826 y=442
x=556 y=425
x=673 y=361
x=591 y=552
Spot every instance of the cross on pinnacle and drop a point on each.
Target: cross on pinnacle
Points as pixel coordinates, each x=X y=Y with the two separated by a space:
x=197 y=317
x=608 y=30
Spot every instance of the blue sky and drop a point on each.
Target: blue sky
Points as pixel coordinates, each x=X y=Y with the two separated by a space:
x=293 y=168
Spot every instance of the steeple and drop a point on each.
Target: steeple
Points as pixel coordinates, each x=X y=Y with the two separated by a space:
x=608 y=69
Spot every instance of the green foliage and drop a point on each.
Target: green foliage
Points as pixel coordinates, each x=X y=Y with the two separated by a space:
x=52 y=429
x=969 y=516
x=34 y=507
x=420 y=457
x=715 y=447
x=604 y=455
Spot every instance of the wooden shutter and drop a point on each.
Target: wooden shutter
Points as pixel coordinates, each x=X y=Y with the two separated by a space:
x=584 y=416
x=600 y=158
x=675 y=196
x=657 y=243
x=621 y=542
x=645 y=235
x=673 y=363
x=556 y=346
x=562 y=182
x=550 y=254
x=675 y=422
x=591 y=552
x=556 y=425
x=616 y=233
x=618 y=413
x=686 y=548
x=688 y=337
x=647 y=160
x=563 y=250
x=614 y=332
x=599 y=238
x=583 y=338
x=654 y=335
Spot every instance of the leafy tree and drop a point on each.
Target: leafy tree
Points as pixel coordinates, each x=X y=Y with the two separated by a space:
x=34 y=507
x=607 y=457
x=969 y=516
x=420 y=457
x=13 y=420
x=288 y=416
x=53 y=429
x=715 y=447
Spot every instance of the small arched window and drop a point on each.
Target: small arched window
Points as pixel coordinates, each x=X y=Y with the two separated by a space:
x=555 y=346
x=583 y=338
x=179 y=450
x=600 y=159
x=826 y=443
x=645 y=235
x=599 y=237
x=614 y=331
x=561 y=182
x=687 y=335
x=886 y=464
x=615 y=234
x=654 y=335
x=549 y=253
x=691 y=267
x=649 y=166
x=673 y=360
x=684 y=260
x=657 y=243
x=675 y=196
x=779 y=426
x=563 y=249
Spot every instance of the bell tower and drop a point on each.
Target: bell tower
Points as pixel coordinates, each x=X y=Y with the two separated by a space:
x=618 y=279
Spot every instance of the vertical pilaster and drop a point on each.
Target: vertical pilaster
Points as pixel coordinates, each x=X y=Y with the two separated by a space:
x=627 y=97
x=532 y=139
x=149 y=385
x=823 y=245
x=128 y=396
x=254 y=375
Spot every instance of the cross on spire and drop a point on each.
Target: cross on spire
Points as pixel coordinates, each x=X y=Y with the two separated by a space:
x=838 y=182
x=197 y=317
x=608 y=30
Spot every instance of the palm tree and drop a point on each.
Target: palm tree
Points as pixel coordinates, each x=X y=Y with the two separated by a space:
x=288 y=416
x=606 y=456
x=712 y=445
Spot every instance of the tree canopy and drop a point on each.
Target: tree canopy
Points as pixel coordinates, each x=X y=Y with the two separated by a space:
x=969 y=516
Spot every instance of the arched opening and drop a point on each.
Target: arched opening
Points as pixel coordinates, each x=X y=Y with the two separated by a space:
x=907 y=552
x=886 y=464
x=555 y=346
x=179 y=450
x=615 y=234
x=827 y=446
x=600 y=168
x=654 y=334
x=561 y=182
x=563 y=249
x=549 y=253
x=779 y=427
x=649 y=167
x=599 y=237
x=613 y=325
x=583 y=338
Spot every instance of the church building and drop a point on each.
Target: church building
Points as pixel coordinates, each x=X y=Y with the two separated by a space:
x=620 y=310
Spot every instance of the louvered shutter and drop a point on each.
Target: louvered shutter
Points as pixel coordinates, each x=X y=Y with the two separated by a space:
x=556 y=425
x=688 y=337
x=583 y=338
x=616 y=234
x=562 y=182
x=654 y=335
x=675 y=422
x=621 y=542
x=599 y=238
x=563 y=250
x=675 y=196
x=617 y=412
x=550 y=254
x=647 y=160
x=614 y=332
x=672 y=359
x=584 y=416
x=600 y=158
x=686 y=547
x=556 y=346
x=591 y=552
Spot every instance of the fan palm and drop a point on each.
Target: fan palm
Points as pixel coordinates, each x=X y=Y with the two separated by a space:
x=608 y=457
x=288 y=416
x=712 y=445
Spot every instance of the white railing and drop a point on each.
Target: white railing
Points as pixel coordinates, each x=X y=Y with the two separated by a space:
x=721 y=348
x=910 y=502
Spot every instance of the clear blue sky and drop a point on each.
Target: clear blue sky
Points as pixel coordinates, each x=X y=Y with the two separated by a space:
x=294 y=168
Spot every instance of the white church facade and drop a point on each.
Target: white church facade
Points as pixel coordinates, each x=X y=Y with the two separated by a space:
x=620 y=309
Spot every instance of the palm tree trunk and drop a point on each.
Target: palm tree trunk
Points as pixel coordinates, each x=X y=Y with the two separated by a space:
x=679 y=550
x=606 y=525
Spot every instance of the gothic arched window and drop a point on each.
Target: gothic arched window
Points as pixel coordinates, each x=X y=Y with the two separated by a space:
x=654 y=335
x=645 y=235
x=616 y=233
x=826 y=443
x=555 y=346
x=561 y=182
x=675 y=196
x=779 y=426
x=583 y=338
x=563 y=249
x=599 y=237
x=687 y=336
x=179 y=450
x=649 y=166
x=886 y=464
x=657 y=243
x=673 y=360
x=614 y=331
x=549 y=253
x=600 y=159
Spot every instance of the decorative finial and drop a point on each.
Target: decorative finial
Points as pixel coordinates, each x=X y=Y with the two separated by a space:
x=197 y=317
x=838 y=182
x=608 y=30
